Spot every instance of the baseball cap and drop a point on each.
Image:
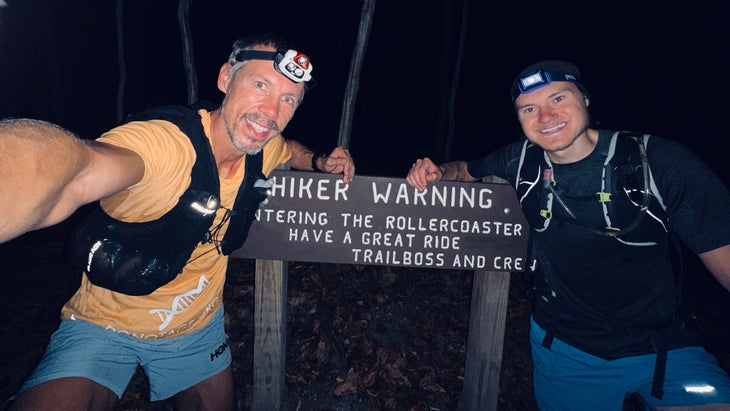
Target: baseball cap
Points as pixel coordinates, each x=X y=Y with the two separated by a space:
x=540 y=74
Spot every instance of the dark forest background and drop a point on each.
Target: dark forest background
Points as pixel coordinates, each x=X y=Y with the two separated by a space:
x=650 y=67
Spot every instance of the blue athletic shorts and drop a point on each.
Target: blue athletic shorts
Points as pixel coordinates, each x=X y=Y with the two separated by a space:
x=82 y=349
x=566 y=378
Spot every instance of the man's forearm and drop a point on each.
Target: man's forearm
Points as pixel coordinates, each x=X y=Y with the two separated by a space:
x=455 y=171
x=37 y=161
x=301 y=156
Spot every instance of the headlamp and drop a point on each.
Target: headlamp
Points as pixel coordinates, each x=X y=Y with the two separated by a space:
x=292 y=64
x=540 y=79
x=533 y=81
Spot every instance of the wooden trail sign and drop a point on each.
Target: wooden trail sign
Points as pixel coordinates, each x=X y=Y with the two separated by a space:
x=383 y=221
x=314 y=217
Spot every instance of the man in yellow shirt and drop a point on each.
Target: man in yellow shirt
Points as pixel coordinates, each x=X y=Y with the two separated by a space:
x=147 y=174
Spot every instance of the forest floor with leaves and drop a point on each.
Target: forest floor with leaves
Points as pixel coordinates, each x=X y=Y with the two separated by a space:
x=364 y=338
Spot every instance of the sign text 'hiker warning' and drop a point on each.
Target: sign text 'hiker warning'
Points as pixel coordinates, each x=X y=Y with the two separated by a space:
x=315 y=217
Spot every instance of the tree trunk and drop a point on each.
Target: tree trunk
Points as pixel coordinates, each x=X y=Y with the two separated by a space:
x=183 y=19
x=444 y=84
x=455 y=83
x=121 y=63
x=353 y=81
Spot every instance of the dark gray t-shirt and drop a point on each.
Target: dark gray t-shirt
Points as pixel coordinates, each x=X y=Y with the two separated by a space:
x=601 y=295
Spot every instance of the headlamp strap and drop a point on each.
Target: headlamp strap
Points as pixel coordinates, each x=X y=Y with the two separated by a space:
x=256 y=55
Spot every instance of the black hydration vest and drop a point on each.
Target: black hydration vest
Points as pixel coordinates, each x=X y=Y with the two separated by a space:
x=633 y=210
x=136 y=258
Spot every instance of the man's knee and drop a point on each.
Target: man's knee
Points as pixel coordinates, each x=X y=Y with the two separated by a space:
x=72 y=393
x=214 y=393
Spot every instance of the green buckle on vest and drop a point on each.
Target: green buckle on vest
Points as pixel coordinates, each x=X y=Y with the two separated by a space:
x=546 y=214
x=603 y=197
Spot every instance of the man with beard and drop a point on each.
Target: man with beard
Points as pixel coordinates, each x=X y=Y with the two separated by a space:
x=609 y=213
x=178 y=188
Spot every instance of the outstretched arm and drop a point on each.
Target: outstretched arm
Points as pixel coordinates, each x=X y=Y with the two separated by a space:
x=425 y=171
x=47 y=173
x=339 y=161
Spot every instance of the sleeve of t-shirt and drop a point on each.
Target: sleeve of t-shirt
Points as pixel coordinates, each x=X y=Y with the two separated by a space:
x=168 y=157
x=502 y=163
x=276 y=152
x=697 y=201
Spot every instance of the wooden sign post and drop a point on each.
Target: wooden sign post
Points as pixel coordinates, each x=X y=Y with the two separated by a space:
x=315 y=217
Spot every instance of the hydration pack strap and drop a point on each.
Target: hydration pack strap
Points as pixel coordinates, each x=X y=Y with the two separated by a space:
x=246 y=204
x=660 y=368
x=547 y=342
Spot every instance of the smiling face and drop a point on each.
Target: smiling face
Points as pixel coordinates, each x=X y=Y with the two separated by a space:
x=555 y=117
x=259 y=102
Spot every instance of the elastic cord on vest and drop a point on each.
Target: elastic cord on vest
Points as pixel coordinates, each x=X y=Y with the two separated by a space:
x=660 y=368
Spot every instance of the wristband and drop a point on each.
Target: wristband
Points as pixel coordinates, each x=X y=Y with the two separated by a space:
x=316 y=156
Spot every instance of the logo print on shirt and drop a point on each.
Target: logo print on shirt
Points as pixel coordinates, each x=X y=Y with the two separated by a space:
x=180 y=303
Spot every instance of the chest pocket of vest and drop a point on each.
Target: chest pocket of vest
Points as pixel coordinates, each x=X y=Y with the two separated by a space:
x=632 y=209
x=138 y=258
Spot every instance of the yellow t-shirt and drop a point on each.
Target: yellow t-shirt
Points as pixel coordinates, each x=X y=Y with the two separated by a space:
x=186 y=303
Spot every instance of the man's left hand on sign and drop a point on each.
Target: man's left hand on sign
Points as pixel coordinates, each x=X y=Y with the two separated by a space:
x=339 y=161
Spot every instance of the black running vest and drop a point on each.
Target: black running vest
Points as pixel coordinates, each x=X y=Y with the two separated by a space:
x=136 y=258
x=632 y=207
x=634 y=214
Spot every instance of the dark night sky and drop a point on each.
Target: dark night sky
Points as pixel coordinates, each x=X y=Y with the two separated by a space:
x=662 y=69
